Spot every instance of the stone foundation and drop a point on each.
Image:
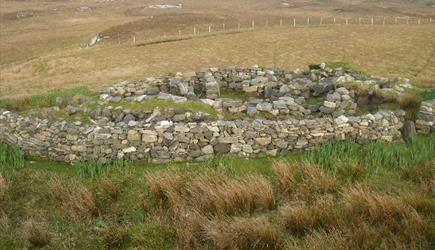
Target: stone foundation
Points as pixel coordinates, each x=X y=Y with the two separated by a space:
x=426 y=117
x=166 y=140
x=278 y=111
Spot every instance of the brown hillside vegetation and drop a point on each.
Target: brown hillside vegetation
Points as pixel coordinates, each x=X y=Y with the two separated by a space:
x=44 y=51
x=404 y=51
x=293 y=207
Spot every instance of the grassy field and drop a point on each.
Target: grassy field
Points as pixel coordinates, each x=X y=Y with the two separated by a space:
x=46 y=51
x=405 y=50
x=336 y=197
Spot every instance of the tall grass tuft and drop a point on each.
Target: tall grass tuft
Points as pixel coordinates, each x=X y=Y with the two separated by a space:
x=332 y=239
x=300 y=217
x=426 y=94
x=3 y=186
x=411 y=104
x=217 y=194
x=116 y=236
x=11 y=157
x=303 y=180
x=92 y=168
x=244 y=233
x=212 y=193
x=388 y=213
x=331 y=153
x=76 y=202
x=191 y=200
x=374 y=156
x=37 y=234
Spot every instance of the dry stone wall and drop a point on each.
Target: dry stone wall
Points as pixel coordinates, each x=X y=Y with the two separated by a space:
x=165 y=140
x=293 y=121
x=425 y=122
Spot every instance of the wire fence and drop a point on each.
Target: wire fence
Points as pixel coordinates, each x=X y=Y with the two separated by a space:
x=202 y=30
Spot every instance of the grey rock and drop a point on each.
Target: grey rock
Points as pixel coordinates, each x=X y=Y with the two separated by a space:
x=264 y=106
x=222 y=148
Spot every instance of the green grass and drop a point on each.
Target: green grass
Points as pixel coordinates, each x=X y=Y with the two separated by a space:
x=347 y=66
x=44 y=101
x=34 y=103
x=236 y=95
x=426 y=94
x=59 y=115
x=374 y=156
x=130 y=217
x=312 y=100
x=93 y=168
x=10 y=157
x=338 y=64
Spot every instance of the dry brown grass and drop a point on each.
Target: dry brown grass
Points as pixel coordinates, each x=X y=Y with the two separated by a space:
x=351 y=172
x=333 y=239
x=44 y=52
x=315 y=180
x=37 y=234
x=421 y=173
x=303 y=180
x=244 y=233
x=300 y=218
x=190 y=228
x=192 y=201
x=3 y=186
x=218 y=194
x=404 y=51
x=285 y=176
x=115 y=236
x=212 y=193
x=166 y=188
x=77 y=202
x=108 y=190
x=386 y=212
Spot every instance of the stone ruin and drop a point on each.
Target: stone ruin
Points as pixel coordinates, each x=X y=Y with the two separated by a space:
x=278 y=93
x=257 y=111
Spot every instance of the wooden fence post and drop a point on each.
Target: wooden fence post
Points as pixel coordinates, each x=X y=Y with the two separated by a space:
x=334 y=20
x=430 y=20
x=418 y=21
x=134 y=40
x=253 y=24
x=347 y=21
x=294 y=22
x=194 y=31
x=223 y=27
x=209 y=29
x=308 y=21
x=372 y=21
